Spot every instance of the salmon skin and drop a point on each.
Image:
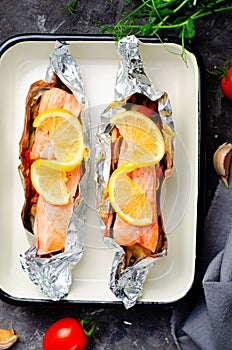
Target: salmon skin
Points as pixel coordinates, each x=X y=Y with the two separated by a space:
x=46 y=221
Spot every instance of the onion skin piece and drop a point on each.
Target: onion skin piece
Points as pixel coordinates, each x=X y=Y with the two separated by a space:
x=7 y=338
x=221 y=161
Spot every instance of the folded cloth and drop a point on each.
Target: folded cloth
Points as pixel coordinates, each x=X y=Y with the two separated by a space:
x=205 y=322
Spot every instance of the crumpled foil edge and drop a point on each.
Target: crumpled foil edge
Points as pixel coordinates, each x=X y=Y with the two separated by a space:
x=53 y=275
x=131 y=78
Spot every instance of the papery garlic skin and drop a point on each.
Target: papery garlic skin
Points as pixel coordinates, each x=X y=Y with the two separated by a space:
x=221 y=161
x=7 y=338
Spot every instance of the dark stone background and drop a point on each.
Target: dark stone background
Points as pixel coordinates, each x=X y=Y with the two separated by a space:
x=117 y=328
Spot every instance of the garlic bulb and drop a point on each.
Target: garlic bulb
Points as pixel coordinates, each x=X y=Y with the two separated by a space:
x=7 y=338
x=221 y=161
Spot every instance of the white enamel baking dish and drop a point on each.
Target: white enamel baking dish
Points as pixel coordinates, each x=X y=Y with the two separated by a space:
x=24 y=60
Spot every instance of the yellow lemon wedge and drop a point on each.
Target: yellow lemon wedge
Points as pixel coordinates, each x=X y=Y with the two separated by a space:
x=128 y=199
x=49 y=182
x=145 y=143
x=65 y=137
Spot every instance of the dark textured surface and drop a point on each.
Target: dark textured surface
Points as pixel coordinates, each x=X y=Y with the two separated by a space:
x=118 y=328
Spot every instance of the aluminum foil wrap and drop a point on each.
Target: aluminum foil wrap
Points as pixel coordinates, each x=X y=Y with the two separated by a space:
x=133 y=91
x=53 y=274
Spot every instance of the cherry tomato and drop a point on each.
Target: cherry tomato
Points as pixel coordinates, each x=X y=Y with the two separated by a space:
x=65 y=334
x=226 y=83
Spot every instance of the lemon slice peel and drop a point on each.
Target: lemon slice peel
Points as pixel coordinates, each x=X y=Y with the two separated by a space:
x=124 y=193
x=65 y=137
x=145 y=142
x=49 y=182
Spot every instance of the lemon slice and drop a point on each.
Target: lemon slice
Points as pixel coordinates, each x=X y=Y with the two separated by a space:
x=128 y=199
x=49 y=182
x=65 y=137
x=145 y=143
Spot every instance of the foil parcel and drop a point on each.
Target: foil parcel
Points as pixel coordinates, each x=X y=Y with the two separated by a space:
x=53 y=275
x=132 y=85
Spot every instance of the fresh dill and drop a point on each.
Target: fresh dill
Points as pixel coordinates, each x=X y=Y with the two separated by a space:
x=151 y=18
x=71 y=6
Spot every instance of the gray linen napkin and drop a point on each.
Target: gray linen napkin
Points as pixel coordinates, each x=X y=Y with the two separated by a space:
x=207 y=324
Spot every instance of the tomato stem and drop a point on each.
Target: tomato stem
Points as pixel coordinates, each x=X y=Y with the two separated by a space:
x=224 y=70
x=92 y=330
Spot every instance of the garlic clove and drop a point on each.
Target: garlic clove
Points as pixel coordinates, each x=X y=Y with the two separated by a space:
x=7 y=338
x=221 y=161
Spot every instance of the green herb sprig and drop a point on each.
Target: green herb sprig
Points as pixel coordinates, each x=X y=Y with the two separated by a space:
x=71 y=6
x=162 y=16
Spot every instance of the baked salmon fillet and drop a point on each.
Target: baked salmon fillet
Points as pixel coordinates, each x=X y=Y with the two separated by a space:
x=48 y=222
x=139 y=241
